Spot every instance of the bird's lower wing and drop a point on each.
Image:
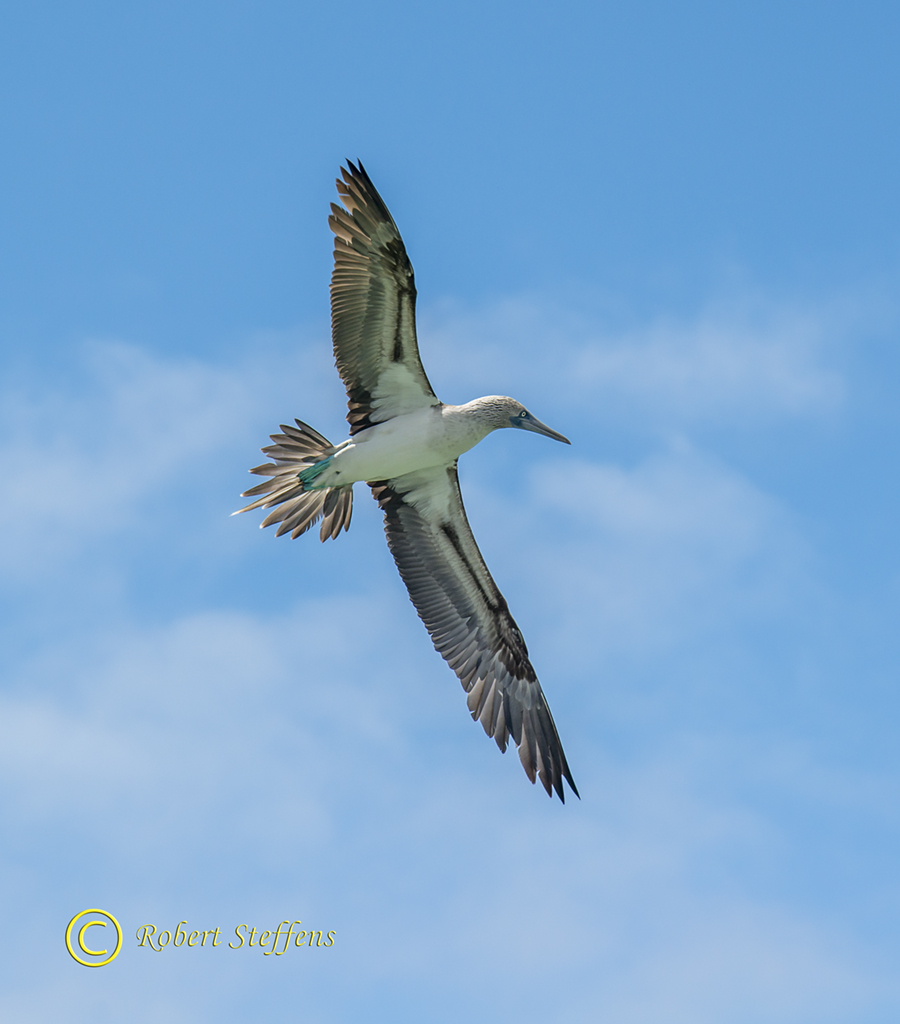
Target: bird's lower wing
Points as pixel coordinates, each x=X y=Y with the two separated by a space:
x=468 y=618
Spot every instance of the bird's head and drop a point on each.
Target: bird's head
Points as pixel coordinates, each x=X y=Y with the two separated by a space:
x=500 y=411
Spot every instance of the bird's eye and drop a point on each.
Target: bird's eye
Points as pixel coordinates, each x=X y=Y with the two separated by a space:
x=522 y=414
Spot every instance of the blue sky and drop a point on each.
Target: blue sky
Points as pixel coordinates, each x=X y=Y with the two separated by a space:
x=673 y=232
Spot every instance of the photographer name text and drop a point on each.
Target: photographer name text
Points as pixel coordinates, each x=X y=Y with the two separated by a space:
x=244 y=937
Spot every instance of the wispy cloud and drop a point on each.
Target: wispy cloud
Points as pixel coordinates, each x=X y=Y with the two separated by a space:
x=732 y=362
x=223 y=740
x=670 y=550
x=316 y=751
x=719 y=367
x=94 y=456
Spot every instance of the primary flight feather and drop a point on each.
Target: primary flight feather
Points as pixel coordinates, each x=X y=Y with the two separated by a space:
x=404 y=442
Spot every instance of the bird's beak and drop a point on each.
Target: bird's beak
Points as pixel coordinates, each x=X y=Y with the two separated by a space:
x=541 y=428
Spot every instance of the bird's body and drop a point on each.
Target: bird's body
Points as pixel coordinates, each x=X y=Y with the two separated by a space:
x=404 y=442
x=434 y=436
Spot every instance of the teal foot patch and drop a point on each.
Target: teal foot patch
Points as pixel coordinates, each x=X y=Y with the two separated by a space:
x=309 y=475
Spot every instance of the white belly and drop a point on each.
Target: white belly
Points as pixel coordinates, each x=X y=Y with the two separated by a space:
x=426 y=437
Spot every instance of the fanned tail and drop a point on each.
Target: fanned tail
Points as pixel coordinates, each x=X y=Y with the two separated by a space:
x=295 y=453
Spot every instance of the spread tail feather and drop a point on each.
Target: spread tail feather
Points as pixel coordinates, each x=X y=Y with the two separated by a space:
x=296 y=454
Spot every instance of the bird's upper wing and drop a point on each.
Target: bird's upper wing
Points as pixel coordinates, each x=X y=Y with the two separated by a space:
x=373 y=308
x=468 y=618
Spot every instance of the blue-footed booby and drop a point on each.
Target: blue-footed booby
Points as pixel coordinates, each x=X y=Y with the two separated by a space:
x=404 y=443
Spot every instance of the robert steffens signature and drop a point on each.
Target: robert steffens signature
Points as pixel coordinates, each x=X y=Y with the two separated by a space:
x=267 y=941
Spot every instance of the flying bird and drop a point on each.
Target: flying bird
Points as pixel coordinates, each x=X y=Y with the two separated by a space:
x=404 y=443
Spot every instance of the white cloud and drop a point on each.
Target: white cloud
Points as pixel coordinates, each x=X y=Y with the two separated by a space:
x=321 y=754
x=743 y=963
x=94 y=456
x=640 y=558
x=81 y=464
x=719 y=367
x=308 y=753
x=224 y=700
x=729 y=364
